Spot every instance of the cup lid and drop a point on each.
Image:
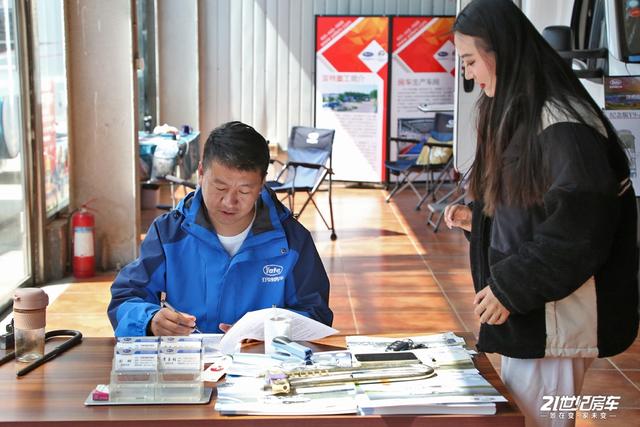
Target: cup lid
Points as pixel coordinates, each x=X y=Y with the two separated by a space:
x=30 y=299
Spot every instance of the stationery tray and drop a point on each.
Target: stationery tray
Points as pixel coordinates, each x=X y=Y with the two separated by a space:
x=206 y=398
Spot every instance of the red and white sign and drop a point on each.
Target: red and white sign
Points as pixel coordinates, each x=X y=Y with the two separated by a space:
x=423 y=71
x=352 y=56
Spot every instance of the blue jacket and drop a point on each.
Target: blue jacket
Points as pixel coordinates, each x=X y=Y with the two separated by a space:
x=277 y=264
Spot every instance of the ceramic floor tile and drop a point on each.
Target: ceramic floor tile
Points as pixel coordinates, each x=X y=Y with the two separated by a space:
x=449 y=265
x=470 y=321
x=407 y=321
x=598 y=381
x=398 y=302
x=456 y=282
x=634 y=376
x=461 y=301
x=602 y=364
x=630 y=359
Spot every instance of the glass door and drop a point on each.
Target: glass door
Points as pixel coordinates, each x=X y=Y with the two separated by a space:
x=14 y=230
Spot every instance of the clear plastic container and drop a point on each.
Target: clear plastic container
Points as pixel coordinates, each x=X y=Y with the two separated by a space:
x=179 y=386
x=134 y=375
x=179 y=370
x=133 y=386
x=29 y=344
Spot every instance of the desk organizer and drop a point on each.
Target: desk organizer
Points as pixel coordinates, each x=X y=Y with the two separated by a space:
x=152 y=370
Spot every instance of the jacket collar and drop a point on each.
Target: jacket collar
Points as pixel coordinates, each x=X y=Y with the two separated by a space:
x=270 y=212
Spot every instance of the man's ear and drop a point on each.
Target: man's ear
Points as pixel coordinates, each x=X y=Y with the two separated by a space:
x=200 y=173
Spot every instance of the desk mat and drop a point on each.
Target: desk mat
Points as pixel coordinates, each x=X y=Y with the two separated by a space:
x=206 y=398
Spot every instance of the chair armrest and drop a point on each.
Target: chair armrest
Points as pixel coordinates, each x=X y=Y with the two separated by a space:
x=410 y=140
x=180 y=181
x=439 y=144
x=305 y=165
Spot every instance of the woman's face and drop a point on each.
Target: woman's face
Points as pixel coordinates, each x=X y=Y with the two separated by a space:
x=479 y=65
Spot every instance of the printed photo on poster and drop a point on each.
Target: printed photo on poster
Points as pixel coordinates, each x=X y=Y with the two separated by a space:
x=363 y=99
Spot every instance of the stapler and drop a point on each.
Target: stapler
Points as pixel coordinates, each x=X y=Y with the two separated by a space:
x=286 y=346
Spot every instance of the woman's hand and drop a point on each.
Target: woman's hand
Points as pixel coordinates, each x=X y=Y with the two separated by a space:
x=489 y=309
x=458 y=216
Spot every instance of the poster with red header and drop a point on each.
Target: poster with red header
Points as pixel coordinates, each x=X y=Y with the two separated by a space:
x=423 y=74
x=352 y=56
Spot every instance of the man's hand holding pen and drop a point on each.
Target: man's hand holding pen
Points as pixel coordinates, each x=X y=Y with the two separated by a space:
x=171 y=322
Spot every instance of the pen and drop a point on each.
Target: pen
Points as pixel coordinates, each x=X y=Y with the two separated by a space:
x=164 y=303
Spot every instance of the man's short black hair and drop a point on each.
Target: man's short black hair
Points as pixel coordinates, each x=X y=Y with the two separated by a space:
x=237 y=145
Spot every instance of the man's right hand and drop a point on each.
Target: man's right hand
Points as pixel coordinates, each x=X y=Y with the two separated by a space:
x=169 y=323
x=458 y=216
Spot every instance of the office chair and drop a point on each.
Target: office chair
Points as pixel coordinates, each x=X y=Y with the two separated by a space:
x=309 y=151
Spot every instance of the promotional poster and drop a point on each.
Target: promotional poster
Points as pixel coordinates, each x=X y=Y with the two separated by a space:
x=352 y=56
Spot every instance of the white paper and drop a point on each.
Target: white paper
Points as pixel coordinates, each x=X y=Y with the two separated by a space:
x=251 y=326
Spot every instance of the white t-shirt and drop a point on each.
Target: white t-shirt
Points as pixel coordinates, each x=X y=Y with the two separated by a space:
x=231 y=244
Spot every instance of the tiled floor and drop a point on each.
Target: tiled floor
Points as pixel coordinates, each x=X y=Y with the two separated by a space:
x=388 y=273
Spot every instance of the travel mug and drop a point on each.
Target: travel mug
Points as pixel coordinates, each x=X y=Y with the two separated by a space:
x=29 y=314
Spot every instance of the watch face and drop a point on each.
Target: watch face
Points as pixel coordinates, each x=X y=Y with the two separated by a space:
x=9 y=128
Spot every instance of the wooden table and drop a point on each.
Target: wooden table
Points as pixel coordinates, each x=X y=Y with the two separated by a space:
x=54 y=394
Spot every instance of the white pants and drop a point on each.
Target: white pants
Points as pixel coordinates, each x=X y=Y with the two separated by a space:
x=529 y=379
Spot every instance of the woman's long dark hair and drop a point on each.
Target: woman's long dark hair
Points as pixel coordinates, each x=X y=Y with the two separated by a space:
x=529 y=74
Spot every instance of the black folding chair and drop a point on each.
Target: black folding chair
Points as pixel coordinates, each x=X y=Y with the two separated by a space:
x=309 y=152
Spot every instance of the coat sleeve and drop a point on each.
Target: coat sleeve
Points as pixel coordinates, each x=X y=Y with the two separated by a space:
x=307 y=286
x=134 y=293
x=580 y=214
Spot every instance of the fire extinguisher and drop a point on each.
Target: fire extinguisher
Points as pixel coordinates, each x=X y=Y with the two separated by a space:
x=83 y=238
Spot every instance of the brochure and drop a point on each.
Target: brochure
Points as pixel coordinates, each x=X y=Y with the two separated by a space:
x=251 y=326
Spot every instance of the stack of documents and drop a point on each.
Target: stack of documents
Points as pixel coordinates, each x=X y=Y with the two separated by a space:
x=449 y=392
x=457 y=387
x=246 y=396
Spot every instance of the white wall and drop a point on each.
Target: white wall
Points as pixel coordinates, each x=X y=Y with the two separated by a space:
x=102 y=121
x=177 y=60
x=543 y=13
x=257 y=57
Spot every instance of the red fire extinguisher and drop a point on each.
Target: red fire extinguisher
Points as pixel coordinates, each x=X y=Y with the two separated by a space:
x=83 y=236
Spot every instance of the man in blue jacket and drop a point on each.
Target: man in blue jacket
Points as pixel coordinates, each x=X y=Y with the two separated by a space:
x=229 y=248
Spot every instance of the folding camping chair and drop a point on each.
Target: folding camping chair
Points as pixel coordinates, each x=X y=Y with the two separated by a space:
x=436 y=157
x=436 y=209
x=309 y=150
x=430 y=154
x=405 y=167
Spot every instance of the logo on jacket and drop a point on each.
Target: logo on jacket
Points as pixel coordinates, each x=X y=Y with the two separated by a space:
x=272 y=273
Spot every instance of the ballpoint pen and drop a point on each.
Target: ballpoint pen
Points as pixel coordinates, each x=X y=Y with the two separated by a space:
x=164 y=303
